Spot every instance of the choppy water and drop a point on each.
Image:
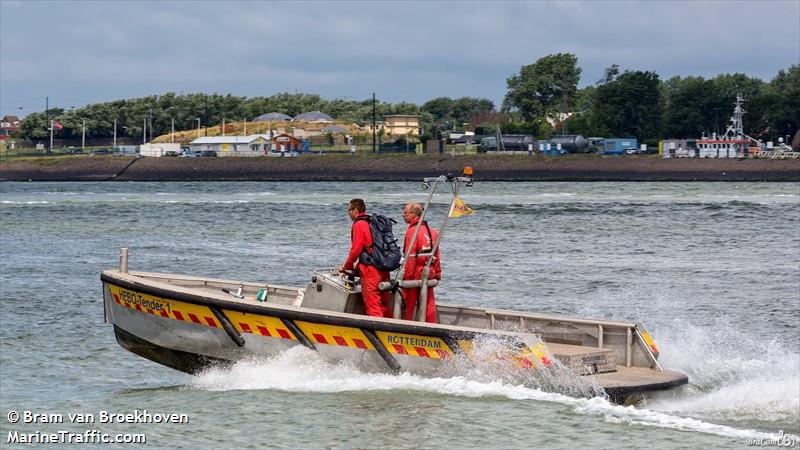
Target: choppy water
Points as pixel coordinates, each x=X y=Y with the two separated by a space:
x=712 y=269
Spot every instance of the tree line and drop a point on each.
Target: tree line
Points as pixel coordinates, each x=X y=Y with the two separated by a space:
x=639 y=104
x=158 y=112
x=542 y=99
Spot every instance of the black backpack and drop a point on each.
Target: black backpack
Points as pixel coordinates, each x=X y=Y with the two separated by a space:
x=386 y=253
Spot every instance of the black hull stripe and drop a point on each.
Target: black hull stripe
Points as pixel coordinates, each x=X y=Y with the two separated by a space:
x=387 y=357
x=298 y=333
x=227 y=326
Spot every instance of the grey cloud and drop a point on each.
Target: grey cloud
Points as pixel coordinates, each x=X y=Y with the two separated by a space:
x=83 y=52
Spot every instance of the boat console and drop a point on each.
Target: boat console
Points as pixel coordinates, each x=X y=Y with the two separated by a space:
x=331 y=291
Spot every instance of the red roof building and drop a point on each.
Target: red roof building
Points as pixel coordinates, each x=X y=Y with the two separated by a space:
x=8 y=125
x=286 y=143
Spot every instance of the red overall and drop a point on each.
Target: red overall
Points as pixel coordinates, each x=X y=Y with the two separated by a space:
x=415 y=265
x=376 y=302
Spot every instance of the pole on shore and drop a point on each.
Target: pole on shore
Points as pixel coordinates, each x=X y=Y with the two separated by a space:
x=374 y=126
x=115 y=134
x=83 y=136
x=47 y=120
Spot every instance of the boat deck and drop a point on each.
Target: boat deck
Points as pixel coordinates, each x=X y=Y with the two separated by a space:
x=633 y=379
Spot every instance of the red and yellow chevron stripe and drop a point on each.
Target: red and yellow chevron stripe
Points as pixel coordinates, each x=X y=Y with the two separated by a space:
x=649 y=341
x=529 y=357
x=415 y=345
x=526 y=357
x=258 y=324
x=335 y=335
x=198 y=314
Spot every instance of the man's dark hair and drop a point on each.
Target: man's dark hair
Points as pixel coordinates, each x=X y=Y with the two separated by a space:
x=358 y=204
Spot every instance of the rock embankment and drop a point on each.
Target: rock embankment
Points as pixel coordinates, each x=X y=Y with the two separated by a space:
x=396 y=168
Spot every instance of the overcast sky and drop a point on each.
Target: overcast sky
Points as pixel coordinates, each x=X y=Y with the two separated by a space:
x=80 y=52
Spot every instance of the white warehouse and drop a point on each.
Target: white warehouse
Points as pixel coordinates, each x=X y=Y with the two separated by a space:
x=158 y=150
x=252 y=145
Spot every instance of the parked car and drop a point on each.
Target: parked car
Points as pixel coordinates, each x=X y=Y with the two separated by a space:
x=100 y=151
x=199 y=153
x=171 y=153
x=468 y=139
x=285 y=153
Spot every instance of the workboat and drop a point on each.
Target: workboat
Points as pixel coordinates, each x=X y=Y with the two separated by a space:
x=192 y=323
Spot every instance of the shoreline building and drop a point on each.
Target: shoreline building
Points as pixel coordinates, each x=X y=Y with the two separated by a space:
x=158 y=149
x=303 y=126
x=396 y=126
x=273 y=117
x=401 y=125
x=8 y=124
x=241 y=146
x=284 y=143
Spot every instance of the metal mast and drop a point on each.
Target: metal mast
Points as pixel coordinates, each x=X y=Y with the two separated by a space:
x=736 y=127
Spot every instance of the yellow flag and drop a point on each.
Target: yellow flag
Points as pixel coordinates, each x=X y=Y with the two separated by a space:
x=460 y=208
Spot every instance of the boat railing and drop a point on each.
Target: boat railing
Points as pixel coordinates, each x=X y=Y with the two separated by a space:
x=627 y=339
x=243 y=290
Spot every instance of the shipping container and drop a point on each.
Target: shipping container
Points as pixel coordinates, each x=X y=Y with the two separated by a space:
x=617 y=146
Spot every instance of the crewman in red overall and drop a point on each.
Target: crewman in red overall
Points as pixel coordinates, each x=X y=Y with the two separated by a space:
x=415 y=264
x=376 y=302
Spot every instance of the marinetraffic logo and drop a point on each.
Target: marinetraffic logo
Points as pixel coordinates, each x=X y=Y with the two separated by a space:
x=781 y=440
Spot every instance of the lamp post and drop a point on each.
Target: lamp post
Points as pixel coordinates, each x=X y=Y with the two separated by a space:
x=144 y=132
x=47 y=121
x=125 y=132
x=374 y=127
x=115 y=134
x=198 y=127
x=83 y=136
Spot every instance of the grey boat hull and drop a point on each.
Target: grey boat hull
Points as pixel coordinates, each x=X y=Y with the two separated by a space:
x=190 y=324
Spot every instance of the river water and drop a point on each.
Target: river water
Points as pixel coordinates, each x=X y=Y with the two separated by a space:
x=712 y=269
